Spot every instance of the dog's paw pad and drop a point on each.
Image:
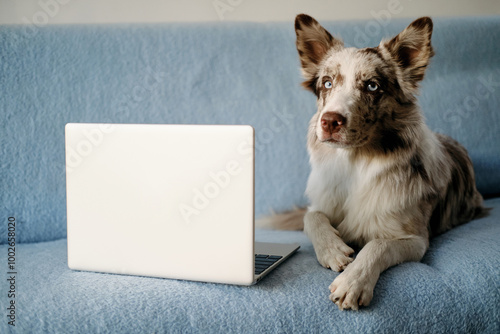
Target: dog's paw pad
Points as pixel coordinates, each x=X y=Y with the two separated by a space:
x=350 y=291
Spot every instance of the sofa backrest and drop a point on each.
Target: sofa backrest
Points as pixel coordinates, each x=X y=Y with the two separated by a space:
x=227 y=73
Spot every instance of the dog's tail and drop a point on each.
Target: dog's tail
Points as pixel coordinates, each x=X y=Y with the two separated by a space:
x=292 y=220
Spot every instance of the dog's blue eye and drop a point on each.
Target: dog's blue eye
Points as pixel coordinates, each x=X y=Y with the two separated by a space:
x=372 y=86
x=328 y=84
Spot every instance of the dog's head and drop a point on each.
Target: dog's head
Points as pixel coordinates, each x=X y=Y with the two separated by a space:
x=364 y=96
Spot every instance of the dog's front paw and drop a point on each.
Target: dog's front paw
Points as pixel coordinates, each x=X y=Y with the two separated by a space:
x=352 y=289
x=335 y=256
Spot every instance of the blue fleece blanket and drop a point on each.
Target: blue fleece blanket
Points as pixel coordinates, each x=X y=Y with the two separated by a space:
x=230 y=73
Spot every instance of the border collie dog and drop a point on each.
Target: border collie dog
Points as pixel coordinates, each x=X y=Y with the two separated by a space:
x=380 y=179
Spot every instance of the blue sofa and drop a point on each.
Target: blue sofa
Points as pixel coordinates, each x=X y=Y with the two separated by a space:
x=230 y=73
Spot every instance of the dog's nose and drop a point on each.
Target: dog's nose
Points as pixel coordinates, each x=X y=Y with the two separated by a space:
x=332 y=122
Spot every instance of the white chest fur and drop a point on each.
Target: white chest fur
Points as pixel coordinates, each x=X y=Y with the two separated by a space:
x=351 y=195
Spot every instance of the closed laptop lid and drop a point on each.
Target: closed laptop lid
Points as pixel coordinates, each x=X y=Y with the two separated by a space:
x=174 y=201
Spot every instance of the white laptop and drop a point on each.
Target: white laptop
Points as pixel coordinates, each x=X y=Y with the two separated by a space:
x=171 y=201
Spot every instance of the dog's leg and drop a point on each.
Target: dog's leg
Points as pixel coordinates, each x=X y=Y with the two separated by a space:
x=331 y=250
x=354 y=287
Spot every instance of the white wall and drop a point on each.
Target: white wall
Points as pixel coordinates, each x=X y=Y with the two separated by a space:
x=42 y=12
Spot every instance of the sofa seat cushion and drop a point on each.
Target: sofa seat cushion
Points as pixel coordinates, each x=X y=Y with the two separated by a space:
x=455 y=289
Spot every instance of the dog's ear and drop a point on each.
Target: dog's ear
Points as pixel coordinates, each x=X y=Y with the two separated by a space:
x=313 y=43
x=412 y=50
